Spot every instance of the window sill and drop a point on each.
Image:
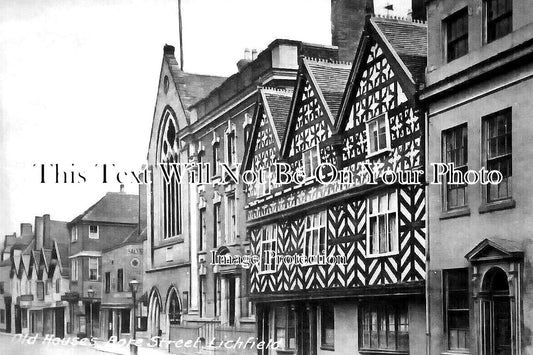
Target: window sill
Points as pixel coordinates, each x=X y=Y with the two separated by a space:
x=170 y=241
x=374 y=256
x=456 y=352
x=378 y=153
x=455 y=213
x=380 y=351
x=497 y=206
x=327 y=347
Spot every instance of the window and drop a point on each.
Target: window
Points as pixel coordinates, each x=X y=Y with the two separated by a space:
x=107 y=282
x=216 y=169
x=93 y=232
x=120 y=280
x=327 y=326
x=384 y=326
x=231 y=157
x=457 y=308
x=315 y=234
x=74 y=264
x=48 y=287
x=499 y=18
x=268 y=248
x=2 y=316
x=58 y=285
x=218 y=295
x=171 y=201
x=216 y=224
x=382 y=230
x=498 y=152
x=455 y=150
x=40 y=290
x=203 y=229
x=93 y=269
x=203 y=297
x=1 y=287
x=285 y=327
x=174 y=310
x=231 y=220
x=457 y=34
x=74 y=234
x=310 y=161
x=24 y=318
x=378 y=137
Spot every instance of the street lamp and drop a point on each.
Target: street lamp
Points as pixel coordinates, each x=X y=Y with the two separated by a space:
x=134 y=287
x=90 y=293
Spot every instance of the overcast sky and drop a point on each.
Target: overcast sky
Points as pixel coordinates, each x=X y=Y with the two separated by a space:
x=78 y=80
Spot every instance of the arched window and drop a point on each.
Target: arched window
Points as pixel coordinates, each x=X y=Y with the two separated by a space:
x=174 y=309
x=171 y=190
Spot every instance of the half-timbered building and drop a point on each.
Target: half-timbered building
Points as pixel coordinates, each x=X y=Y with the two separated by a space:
x=342 y=250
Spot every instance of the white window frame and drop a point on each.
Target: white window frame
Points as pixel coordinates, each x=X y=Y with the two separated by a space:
x=74 y=234
x=74 y=269
x=231 y=219
x=394 y=249
x=375 y=120
x=94 y=235
x=89 y=269
x=312 y=229
x=230 y=130
x=269 y=236
x=307 y=159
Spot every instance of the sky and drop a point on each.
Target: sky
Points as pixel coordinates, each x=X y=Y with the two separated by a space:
x=78 y=81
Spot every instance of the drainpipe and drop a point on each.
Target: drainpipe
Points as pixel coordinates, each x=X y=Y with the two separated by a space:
x=426 y=167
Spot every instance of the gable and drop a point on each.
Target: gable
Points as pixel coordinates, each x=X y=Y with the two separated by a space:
x=378 y=87
x=310 y=124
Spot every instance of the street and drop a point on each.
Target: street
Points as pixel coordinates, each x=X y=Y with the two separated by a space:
x=12 y=344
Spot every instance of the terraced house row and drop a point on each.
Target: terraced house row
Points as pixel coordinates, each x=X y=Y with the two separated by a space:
x=381 y=262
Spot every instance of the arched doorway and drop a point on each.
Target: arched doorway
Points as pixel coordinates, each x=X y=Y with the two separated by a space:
x=174 y=307
x=154 y=313
x=496 y=313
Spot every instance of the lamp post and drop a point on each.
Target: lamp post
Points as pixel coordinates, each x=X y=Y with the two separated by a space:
x=134 y=286
x=90 y=293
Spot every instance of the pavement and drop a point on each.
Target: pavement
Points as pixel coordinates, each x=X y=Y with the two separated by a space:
x=11 y=344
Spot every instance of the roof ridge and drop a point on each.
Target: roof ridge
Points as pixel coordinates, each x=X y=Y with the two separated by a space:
x=328 y=61
x=400 y=18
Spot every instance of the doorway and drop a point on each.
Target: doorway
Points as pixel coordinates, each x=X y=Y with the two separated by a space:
x=60 y=322
x=496 y=313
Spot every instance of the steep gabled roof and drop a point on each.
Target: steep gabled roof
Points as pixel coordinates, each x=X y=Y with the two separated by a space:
x=275 y=103
x=114 y=207
x=328 y=80
x=191 y=87
x=404 y=42
x=408 y=39
x=331 y=80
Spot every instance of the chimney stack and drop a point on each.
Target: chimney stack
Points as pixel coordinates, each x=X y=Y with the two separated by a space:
x=418 y=10
x=38 y=233
x=347 y=23
x=26 y=229
x=46 y=231
x=121 y=187
x=247 y=59
x=254 y=54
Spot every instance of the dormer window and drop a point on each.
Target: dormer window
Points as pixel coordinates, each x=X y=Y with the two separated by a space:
x=94 y=232
x=310 y=160
x=378 y=135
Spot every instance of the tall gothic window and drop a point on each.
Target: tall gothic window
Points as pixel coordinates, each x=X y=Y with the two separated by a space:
x=171 y=209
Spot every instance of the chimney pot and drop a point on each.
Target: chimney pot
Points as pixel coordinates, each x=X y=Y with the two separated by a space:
x=247 y=54
x=121 y=187
x=254 y=54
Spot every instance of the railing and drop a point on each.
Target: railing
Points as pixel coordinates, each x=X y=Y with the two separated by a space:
x=207 y=331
